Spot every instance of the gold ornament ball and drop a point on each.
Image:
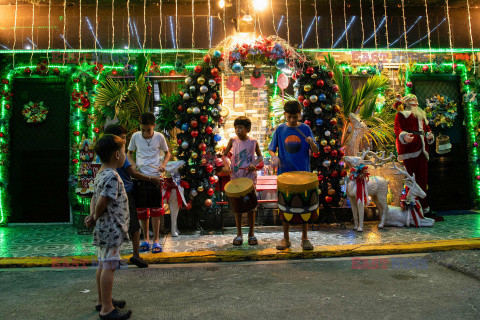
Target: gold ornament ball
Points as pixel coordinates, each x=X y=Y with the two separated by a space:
x=204 y=161
x=332 y=142
x=201 y=80
x=190 y=110
x=192 y=171
x=200 y=99
x=324 y=143
x=194 y=155
x=307 y=87
x=314 y=76
x=331 y=192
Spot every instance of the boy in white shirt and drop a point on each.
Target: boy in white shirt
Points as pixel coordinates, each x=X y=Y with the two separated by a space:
x=148 y=144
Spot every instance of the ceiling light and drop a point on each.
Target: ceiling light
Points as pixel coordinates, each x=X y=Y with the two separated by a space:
x=247 y=18
x=260 y=5
x=221 y=4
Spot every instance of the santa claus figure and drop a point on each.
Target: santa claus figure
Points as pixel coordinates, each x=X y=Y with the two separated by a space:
x=413 y=136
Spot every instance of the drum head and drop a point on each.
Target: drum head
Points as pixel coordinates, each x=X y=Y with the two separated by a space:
x=239 y=187
x=297 y=181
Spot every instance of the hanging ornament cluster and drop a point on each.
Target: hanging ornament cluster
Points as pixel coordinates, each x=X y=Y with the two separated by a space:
x=35 y=112
x=199 y=117
x=316 y=91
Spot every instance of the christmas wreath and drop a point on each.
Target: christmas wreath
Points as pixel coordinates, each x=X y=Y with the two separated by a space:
x=35 y=112
x=441 y=111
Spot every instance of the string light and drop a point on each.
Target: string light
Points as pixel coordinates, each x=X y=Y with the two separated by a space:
x=33 y=23
x=345 y=32
x=15 y=33
x=96 y=31
x=208 y=26
x=144 y=24
x=449 y=33
x=280 y=22
x=301 y=20
x=405 y=32
x=193 y=27
x=438 y=25
x=361 y=21
x=345 y=24
x=80 y=29
x=66 y=43
x=288 y=28
x=374 y=27
x=93 y=34
x=160 y=34
x=374 y=34
x=316 y=22
x=273 y=16
x=113 y=29
x=176 y=27
x=224 y=26
x=49 y=32
x=428 y=34
x=172 y=32
x=308 y=31
x=331 y=20
x=386 y=22
x=62 y=35
x=471 y=38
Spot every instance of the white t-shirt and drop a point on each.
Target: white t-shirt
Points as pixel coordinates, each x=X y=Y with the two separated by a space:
x=148 y=152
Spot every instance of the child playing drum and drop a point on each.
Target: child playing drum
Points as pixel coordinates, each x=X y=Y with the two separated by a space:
x=294 y=140
x=243 y=165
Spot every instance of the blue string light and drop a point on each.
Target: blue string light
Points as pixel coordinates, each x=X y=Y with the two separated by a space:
x=438 y=25
x=171 y=32
x=308 y=31
x=63 y=38
x=411 y=27
x=4 y=47
x=345 y=32
x=280 y=23
x=93 y=33
x=373 y=34
x=136 y=33
x=32 y=42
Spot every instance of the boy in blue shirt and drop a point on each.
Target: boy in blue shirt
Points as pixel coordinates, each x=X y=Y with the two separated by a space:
x=294 y=140
x=126 y=172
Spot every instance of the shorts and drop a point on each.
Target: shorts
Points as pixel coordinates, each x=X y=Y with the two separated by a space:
x=134 y=225
x=147 y=194
x=109 y=258
x=145 y=213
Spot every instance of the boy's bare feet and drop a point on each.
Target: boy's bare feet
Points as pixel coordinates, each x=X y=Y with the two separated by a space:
x=284 y=244
x=238 y=241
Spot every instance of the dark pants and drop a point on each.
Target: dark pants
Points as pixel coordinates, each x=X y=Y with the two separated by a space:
x=418 y=166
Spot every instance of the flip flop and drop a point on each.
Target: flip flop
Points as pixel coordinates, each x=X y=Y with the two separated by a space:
x=117 y=315
x=144 y=247
x=238 y=241
x=156 y=248
x=252 y=241
x=116 y=303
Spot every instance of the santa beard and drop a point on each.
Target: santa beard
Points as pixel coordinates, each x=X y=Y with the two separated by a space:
x=417 y=112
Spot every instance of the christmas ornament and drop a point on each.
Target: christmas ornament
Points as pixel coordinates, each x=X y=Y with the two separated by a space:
x=335 y=88
x=211 y=82
x=190 y=110
x=326 y=163
x=332 y=142
x=185 y=145
x=307 y=87
x=208 y=202
x=333 y=121
x=309 y=70
x=193 y=88
x=198 y=69
x=193 y=124
x=203 y=118
x=192 y=170
x=76 y=133
x=237 y=67
x=425 y=68
x=210 y=192
x=193 y=193
x=217 y=137
x=217 y=54
x=327 y=133
x=320 y=83
x=200 y=189
x=318 y=110
x=208 y=130
x=201 y=80
x=186 y=96
x=324 y=142
x=328 y=199
x=330 y=74
x=209 y=168
x=194 y=133
x=322 y=97
x=200 y=99
x=194 y=155
x=306 y=102
x=281 y=64
x=196 y=110
x=188 y=81
x=202 y=146
x=207 y=58
x=328 y=107
x=313 y=98
x=203 y=89
x=409 y=84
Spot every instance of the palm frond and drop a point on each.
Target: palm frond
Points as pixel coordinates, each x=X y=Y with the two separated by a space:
x=109 y=96
x=367 y=94
x=345 y=87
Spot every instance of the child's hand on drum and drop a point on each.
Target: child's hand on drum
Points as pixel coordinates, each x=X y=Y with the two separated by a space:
x=274 y=161
x=251 y=168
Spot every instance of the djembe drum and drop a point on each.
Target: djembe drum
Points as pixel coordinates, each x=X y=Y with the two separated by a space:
x=298 y=196
x=241 y=195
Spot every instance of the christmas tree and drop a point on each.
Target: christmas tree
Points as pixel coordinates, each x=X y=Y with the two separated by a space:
x=316 y=91
x=199 y=117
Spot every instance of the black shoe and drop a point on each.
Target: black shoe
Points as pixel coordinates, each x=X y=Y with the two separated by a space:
x=139 y=262
x=433 y=215
x=116 y=304
x=117 y=315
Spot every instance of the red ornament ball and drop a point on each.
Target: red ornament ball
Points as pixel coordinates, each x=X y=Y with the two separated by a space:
x=307 y=122
x=336 y=108
x=180 y=108
x=203 y=118
x=467 y=82
x=96 y=130
x=211 y=180
x=316 y=154
x=193 y=123
x=207 y=58
x=197 y=69
x=208 y=202
x=341 y=153
x=172 y=72
x=425 y=68
x=327 y=149
x=335 y=88
x=208 y=130
x=221 y=120
x=209 y=168
x=1 y=135
x=5 y=81
x=301 y=98
x=478 y=178
x=320 y=177
x=202 y=146
x=334 y=153
x=306 y=102
x=76 y=80
x=333 y=121
x=334 y=174
x=76 y=133
x=310 y=70
x=194 y=133
x=95 y=81
x=475 y=144
x=179 y=141
x=27 y=70
x=74 y=161
x=320 y=83
x=210 y=191
x=330 y=74
x=189 y=205
x=56 y=70
x=328 y=199
x=218 y=79
x=185 y=184
x=215 y=72
x=410 y=84
x=343 y=173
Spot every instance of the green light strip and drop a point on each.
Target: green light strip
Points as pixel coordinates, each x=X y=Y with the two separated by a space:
x=462 y=71
x=440 y=50
x=109 y=51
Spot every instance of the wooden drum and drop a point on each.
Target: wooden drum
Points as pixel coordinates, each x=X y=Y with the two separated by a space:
x=298 y=196
x=241 y=195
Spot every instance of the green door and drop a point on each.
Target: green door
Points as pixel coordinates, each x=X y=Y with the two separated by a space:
x=38 y=182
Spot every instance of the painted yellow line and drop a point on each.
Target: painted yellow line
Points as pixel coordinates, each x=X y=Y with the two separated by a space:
x=75 y=262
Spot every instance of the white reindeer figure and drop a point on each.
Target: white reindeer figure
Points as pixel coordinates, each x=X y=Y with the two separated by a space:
x=397 y=217
x=376 y=187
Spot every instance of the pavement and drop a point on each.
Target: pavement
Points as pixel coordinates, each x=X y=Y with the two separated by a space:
x=380 y=287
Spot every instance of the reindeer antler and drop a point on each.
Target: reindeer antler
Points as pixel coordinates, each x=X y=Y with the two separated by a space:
x=380 y=158
x=404 y=172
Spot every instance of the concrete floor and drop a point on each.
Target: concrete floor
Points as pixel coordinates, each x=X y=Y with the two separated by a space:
x=409 y=287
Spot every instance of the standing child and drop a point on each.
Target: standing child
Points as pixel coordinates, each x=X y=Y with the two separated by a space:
x=243 y=164
x=126 y=172
x=111 y=219
x=148 y=144
x=294 y=140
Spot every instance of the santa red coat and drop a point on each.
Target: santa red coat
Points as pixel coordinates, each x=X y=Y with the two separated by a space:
x=406 y=122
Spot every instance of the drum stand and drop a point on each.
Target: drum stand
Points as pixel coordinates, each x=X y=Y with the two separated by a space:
x=329 y=215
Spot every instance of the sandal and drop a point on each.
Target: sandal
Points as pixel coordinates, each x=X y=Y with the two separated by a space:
x=144 y=247
x=139 y=262
x=117 y=315
x=156 y=248
x=252 y=241
x=238 y=241
x=116 y=304
x=307 y=245
x=283 y=245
